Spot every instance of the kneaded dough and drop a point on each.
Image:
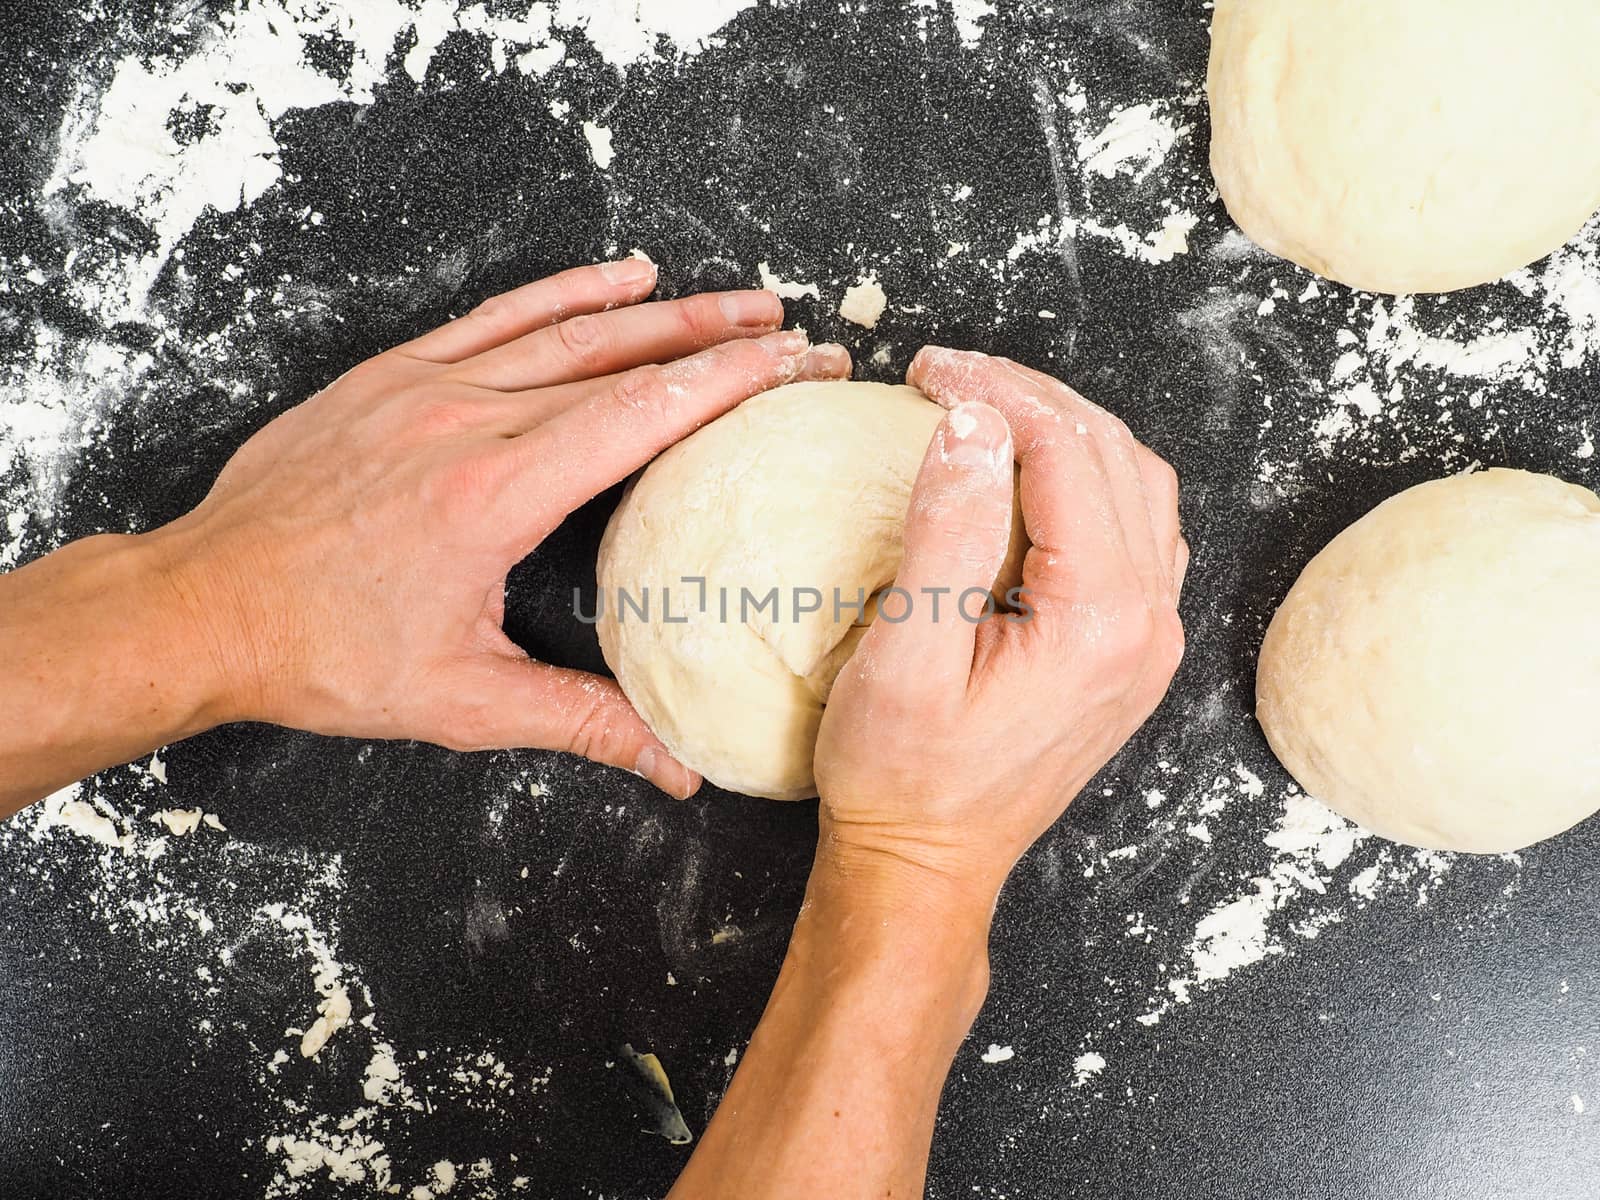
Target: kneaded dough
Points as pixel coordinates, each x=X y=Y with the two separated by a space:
x=805 y=486
x=1407 y=145
x=1434 y=674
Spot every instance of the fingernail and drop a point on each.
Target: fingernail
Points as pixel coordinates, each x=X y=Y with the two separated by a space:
x=628 y=270
x=924 y=372
x=673 y=780
x=974 y=439
x=786 y=341
x=751 y=308
x=827 y=361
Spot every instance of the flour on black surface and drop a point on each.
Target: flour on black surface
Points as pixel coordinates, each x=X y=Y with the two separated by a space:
x=242 y=200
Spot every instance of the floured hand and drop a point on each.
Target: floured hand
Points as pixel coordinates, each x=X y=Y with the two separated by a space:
x=948 y=747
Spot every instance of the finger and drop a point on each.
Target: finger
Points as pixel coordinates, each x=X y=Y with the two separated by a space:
x=1125 y=472
x=605 y=343
x=829 y=360
x=1159 y=480
x=527 y=410
x=1180 y=567
x=1068 y=508
x=517 y=702
x=512 y=314
x=576 y=455
x=957 y=528
x=1120 y=453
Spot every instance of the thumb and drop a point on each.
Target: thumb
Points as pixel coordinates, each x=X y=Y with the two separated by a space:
x=956 y=533
x=516 y=702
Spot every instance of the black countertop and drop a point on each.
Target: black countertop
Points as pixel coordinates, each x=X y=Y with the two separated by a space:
x=1204 y=985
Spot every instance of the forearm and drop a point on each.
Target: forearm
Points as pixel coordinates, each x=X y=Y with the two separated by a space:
x=838 y=1092
x=101 y=662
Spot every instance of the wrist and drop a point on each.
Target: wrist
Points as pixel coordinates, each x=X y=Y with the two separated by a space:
x=103 y=665
x=202 y=619
x=871 y=913
x=838 y=1092
x=932 y=867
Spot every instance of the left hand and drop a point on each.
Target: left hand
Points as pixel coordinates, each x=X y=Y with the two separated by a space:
x=348 y=568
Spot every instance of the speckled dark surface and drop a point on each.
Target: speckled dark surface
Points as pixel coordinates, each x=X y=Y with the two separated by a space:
x=1410 y=1049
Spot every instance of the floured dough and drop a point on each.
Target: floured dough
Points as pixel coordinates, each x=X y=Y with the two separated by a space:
x=1434 y=674
x=802 y=487
x=1407 y=145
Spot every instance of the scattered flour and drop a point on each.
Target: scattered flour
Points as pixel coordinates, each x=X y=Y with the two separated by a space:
x=1134 y=142
x=969 y=18
x=1086 y=1066
x=627 y=31
x=192 y=935
x=599 y=139
x=1436 y=375
x=788 y=289
x=1313 y=870
x=120 y=146
x=442 y=1180
x=1307 y=882
x=180 y=822
x=65 y=810
x=51 y=410
x=168 y=138
x=863 y=302
x=1144 y=209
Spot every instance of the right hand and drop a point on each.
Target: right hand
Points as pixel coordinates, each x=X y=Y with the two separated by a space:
x=947 y=748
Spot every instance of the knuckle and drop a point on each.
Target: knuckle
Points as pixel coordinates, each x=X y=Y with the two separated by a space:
x=1127 y=636
x=646 y=393
x=701 y=321
x=456 y=490
x=457 y=737
x=1169 y=642
x=493 y=313
x=1114 y=432
x=584 y=339
x=1082 y=403
x=468 y=729
x=1163 y=481
x=377 y=375
x=1167 y=473
x=592 y=735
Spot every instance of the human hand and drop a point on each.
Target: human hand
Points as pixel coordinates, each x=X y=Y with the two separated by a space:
x=347 y=571
x=947 y=748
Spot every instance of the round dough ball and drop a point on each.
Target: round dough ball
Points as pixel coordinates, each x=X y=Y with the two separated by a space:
x=805 y=486
x=1434 y=674
x=1407 y=145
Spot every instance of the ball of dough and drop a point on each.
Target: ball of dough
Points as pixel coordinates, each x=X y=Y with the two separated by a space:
x=802 y=487
x=1407 y=145
x=1434 y=674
